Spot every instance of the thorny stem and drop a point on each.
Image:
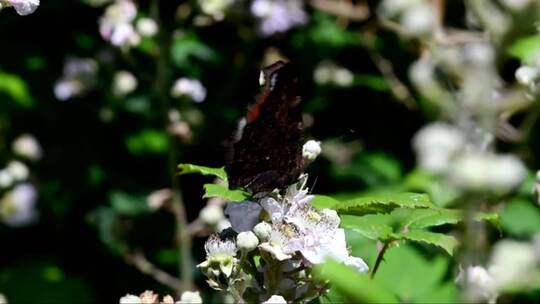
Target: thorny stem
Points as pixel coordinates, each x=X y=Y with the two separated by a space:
x=380 y=258
x=161 y=86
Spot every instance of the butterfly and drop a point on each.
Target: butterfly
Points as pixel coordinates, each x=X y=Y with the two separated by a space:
x=265 y=152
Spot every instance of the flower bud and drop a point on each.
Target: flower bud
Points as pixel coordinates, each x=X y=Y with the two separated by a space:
x=311 y=150
x=478 y=284
x=128 y=299
x=526 y=75
x=147 y=27
x=262 y=230
x=419 y=19
x=27 y=146
x=247 y=241
x=124 y=83
x=211 y=214
x=275 y=299
x=190 y=297
x=6 y=179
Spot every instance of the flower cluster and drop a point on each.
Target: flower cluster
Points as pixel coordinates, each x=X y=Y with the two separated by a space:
x=116 y=25
x=79 y=77
x=291 y=237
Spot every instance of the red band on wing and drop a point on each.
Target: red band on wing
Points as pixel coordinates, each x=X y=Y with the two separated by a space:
x=254 y=111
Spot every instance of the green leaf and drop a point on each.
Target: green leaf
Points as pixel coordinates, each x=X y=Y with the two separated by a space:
x=189 y=168
x=354 y=286
x=446 y=242
x=383 y=203
x=16 y=88
x=373 y=226
x=124 y=203
x=374 y=82
x=214 y=190
x=521 y=218
x=439 y=192
x=188 y=47
x=147 y=141
x=423 y=218
x=323 y=201
x=526 y=49
x=419 y=279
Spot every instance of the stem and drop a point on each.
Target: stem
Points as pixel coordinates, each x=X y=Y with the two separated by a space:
x=161 y=86
x=140 y=262
x=380 y=258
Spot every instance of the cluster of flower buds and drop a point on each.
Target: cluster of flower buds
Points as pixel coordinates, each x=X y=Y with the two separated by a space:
x=274 y=241
x=17 y=196
x=79 y=77
x=278 y=16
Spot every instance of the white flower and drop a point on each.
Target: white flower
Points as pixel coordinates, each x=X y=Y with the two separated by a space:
x=18 y=206
x=243 y=215
x=220 y=253
x=147 y=27
x=328 y=72
x=130 y=299
x=247 y=241
x=275 y=299
x=28 y=147
x=435 y=145
x=124 y=83
x=190 y=297
x=211 y=214
x=23 y=7
x=516 y=5
x=311 y=149
x=18 y=170
x=189 y=87
x=277 y=16
x=478 y=283
x=3 y=299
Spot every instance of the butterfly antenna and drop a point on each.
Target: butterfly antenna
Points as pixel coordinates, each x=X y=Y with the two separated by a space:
x=313 y=185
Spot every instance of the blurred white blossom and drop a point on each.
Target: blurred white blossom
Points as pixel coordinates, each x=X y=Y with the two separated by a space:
x=215 y=8
x=130 y=299
x=278 y=16
x=22 y=7
x=189 y=87
x=516 y=5
x=116 y=25
x=190 y=297
x=17 y=207
x=392 y=8
x=211 y=214
x=6 y=179
x=512 y=263
x=159 y=198
x=328 y=72
x=27 y=146
x=419 y=19
x=478 y=283
x=124 y=83
x=435 y=145
x=147 y=27
x=494 y=173
x=3 y=299
x=79 y=77
x=18 y=170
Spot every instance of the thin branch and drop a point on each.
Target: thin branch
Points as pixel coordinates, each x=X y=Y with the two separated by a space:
x=138 y=260
x=380 y=258
x=398 y=88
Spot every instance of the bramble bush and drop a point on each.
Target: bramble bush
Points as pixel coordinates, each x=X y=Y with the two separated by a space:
x=415 y=179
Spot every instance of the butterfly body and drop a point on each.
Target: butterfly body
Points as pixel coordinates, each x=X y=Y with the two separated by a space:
x=267 y=151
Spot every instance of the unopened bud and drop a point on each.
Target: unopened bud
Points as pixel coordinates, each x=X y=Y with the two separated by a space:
x=211 y=214
x=247 y=241
x=262 y=230
x=311 y=150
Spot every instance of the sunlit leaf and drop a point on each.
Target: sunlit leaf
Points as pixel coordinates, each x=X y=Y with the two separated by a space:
x=16 y=88
x=446 y=242
x=189 y=168
x=214 y=190
x=383 y=203
x=423 y=218
x=373 y=226
x=526 y=49
x=147 y=141
x=521 y=218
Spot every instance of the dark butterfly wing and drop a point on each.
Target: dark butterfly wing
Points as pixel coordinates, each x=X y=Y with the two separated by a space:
x=267 y=150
